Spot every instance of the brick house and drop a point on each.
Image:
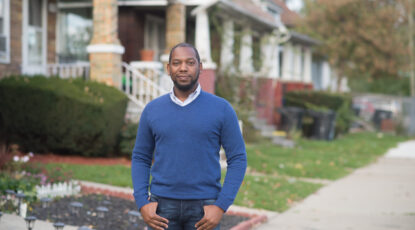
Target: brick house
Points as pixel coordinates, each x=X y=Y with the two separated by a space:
x=106 y=40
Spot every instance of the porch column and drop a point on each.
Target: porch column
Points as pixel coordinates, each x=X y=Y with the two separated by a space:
x=269 y=56
x=202 y=43
x=226 y=52
x=245 y=60
x=297 y=63
x=175 y=25
x=307 y=65
x=105 y=50
x=202 y=39
x=326 y=76
x=287 y=64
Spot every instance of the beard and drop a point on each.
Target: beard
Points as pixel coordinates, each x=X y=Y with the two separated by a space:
x=186 y=87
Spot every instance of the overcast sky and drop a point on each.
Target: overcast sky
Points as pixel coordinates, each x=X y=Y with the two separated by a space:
x=295 y=5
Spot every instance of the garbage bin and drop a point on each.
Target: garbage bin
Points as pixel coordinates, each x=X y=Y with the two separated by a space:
x=324 y=123
x=379 y=116
x=291 y=118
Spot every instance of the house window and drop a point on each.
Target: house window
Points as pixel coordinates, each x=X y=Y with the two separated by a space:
x=274 y=10
x=35 y=33
x=74 y=34
x=4 y=31
x=154 y=35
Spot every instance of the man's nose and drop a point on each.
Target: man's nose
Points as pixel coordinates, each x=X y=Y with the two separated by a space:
x=183 y=67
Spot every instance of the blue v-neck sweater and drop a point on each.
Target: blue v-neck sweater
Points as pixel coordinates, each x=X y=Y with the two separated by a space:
x=184 y=143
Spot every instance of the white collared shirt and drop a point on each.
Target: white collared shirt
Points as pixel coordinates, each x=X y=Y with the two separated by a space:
x=188 y=100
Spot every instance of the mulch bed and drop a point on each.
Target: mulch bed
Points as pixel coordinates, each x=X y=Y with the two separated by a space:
x=117 y=217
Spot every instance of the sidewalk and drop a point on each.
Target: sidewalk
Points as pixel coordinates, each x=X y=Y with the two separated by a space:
x=379 y=196
x=13 y=222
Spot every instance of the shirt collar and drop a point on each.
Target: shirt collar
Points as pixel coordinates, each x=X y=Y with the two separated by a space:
x=188 y=100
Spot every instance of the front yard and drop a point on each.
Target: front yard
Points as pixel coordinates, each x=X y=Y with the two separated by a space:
x=276 y=177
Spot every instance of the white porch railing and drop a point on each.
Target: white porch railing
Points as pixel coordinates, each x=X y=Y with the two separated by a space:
x=139 y=88
x=69 y=70
x=141 y=83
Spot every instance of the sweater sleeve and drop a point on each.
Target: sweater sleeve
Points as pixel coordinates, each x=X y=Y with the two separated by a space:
x=234 y=146
x=142 y=156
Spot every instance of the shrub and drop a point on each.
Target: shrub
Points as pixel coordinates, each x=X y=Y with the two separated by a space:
x=317 y=100
x=63 y=116
x=240 y=93
x=128 y=135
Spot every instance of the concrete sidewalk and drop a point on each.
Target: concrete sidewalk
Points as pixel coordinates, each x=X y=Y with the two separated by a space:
x=13 y=222
x=379 y=196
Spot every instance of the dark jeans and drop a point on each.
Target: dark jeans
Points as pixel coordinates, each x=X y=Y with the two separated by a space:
x=182 y=214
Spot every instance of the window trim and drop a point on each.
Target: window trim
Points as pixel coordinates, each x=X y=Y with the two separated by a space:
x=27 y=68
x=6 y=27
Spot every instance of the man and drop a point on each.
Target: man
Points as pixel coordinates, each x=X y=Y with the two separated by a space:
x=182 y=132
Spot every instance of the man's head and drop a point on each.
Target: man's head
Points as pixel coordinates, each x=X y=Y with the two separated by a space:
x=184 y=66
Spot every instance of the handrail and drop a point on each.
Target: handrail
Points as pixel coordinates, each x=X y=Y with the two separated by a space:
x=139 y=88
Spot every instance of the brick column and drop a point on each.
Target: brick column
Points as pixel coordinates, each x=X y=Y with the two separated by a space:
x=51 y=34
x=105 y=50
x=176 y=24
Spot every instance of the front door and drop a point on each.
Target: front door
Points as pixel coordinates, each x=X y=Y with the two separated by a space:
x=34 y=37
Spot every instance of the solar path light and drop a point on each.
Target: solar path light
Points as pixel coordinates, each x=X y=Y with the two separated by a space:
x=45 y=202
x=20 y=197
x=30 y=222
x=58 y=225
x=133 y=216
x=75 y=207
x=10 y=194
x=101 y=211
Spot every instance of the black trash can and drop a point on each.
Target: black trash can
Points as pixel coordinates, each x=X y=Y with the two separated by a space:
x=324 y=124
x=379 y=116
x=291 y=118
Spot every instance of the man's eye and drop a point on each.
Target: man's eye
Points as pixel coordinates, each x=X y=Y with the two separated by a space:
x=191 y=63
x=176 y=63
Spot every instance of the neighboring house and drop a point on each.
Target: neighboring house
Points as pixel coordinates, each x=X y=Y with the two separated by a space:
x=103 y=40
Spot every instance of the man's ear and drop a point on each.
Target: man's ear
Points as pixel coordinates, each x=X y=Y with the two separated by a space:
x=168 y=68
x=200 y=67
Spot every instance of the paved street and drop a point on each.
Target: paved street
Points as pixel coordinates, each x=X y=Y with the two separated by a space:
x=379 y=196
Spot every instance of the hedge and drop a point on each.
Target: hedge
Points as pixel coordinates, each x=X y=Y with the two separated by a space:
x=318 y=100
x=61 y=116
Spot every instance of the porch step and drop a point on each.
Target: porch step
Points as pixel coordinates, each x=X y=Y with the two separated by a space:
x=270 y=131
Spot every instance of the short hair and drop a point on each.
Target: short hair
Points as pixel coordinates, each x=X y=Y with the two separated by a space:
x=183 y=44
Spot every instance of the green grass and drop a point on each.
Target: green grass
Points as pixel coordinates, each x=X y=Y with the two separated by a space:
x=269 y=189
x=276 y=194
x=118 y=175
x=320 y=159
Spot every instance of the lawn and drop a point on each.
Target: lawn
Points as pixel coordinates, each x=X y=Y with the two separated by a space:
x=269 y=182
x=320 y=159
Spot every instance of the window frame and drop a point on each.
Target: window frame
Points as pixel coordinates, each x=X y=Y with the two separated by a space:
x=6 y=27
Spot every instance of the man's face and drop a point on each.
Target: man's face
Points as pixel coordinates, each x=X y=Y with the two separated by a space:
x=184 y=68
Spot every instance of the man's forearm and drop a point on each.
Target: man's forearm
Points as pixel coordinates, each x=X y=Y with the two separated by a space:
x=234 y=176
x=140 y=174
